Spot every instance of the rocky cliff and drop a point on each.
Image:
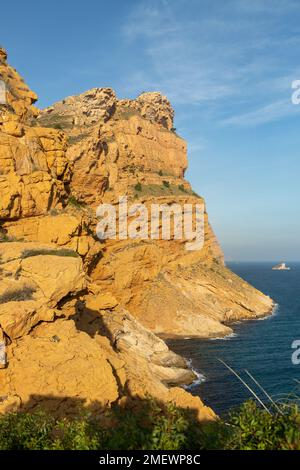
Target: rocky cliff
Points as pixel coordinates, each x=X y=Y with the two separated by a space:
x=83 y=318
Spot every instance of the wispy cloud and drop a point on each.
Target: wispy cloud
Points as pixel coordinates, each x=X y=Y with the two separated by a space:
x=197 y=145
x=269 y=113
x=224 y=58
x=267 y=6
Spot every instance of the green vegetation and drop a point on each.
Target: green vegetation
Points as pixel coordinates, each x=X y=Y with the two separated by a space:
x=150 y=426
x=253 y=428
x=138 y=187
x=19 y=295
x=258 y=429
x=74 y=139
x=165 y=173
x=73 y=201
x=6 y=238
x=164 y=189
x=61 y=252
x=56 y=121
x=182 y=188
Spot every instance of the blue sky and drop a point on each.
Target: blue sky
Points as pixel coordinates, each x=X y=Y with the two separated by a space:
x=227 y=68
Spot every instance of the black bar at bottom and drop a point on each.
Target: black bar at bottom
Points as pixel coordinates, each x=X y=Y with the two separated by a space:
x=137 y=459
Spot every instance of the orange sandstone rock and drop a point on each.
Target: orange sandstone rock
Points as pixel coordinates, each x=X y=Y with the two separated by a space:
x=80 y=316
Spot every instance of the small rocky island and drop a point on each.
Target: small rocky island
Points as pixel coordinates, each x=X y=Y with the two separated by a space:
x=281 y=267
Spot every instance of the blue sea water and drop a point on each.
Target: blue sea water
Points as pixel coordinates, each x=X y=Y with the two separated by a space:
x=263 y=347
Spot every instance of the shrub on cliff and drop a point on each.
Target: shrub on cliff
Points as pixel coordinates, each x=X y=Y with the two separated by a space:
x=182 y=188
x=138 y=187
x=251 y=427
x=19 y=295
x=151 y=425
x=25 y=431
x=66 y=252
x=40 y=431
x=73 y=201
x=255 y=429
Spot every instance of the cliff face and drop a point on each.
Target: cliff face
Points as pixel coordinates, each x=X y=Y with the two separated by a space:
x=129 y=147
x=79 y=316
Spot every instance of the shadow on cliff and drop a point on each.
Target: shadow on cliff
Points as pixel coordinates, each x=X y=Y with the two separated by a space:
x=91 y=322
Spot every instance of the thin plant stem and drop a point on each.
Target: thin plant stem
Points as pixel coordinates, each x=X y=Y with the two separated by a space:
x=264 y=391
x=247 y=386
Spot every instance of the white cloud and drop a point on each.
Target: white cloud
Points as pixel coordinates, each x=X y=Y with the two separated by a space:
x=266 y=6
x=148 y=20
x=219 y=59
x=196 y=146
x=269 y=113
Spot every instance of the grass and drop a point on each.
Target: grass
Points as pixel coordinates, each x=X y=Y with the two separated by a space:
x=166 y=184
x=61 y=252
x=19 y=295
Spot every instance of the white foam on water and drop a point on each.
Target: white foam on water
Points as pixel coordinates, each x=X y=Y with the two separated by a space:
x=199 y=380
x=224 y=338
x=273 y=314
x=275 y=311
x=201 y=377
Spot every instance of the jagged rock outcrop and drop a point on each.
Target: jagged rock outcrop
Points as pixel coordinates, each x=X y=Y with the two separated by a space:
x=154 y=107
x=93 y=106
x=80 y=316
x=19 y=98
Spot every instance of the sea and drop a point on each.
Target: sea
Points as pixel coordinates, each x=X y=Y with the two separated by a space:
x=262 y=347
